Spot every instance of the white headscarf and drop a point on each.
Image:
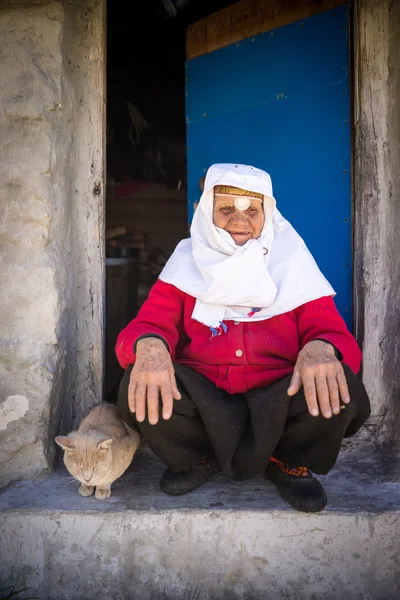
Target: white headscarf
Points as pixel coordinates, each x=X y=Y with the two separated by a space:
x=275 y=272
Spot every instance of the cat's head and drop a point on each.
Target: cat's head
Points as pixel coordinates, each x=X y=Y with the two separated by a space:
x=87 y=457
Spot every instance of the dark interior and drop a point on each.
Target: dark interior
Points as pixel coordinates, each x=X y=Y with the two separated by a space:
x=146 y=205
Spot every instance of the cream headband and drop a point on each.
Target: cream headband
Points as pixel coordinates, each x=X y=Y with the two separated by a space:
x=243 y=197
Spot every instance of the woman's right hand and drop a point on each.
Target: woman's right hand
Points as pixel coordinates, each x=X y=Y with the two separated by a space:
x=152 y=374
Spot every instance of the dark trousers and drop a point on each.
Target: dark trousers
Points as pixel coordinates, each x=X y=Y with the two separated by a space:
x=242 y=431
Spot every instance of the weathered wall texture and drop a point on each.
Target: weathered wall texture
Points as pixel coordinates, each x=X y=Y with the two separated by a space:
x=51 y=106
x=377 y=196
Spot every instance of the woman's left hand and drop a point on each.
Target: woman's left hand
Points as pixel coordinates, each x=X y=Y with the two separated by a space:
x=322 y=377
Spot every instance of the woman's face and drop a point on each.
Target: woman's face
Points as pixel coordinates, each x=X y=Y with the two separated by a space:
x=242 y=225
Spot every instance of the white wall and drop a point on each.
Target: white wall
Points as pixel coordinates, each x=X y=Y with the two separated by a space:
x=51 y=230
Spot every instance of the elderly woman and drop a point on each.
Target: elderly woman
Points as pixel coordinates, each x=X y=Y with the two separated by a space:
x=239 y=360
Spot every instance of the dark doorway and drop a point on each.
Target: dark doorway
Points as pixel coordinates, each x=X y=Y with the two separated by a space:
x=146 y=203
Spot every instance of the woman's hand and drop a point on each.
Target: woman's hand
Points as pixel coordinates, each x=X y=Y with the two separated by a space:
x=152 y=374
x=322 y=377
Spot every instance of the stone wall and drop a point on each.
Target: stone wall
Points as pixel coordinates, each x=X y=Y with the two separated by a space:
x=377 y=203
x=51 y=197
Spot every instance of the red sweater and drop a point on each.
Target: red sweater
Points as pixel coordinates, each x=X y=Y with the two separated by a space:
x=248 y=355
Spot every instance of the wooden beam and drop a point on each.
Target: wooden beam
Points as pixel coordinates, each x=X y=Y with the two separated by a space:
x=249 y=18
x=246 y=12
x=196 y=39
x=268 y=15
x=219 y=30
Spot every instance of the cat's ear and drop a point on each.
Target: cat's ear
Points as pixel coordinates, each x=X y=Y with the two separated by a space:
x=66 y=443
x=104 y=445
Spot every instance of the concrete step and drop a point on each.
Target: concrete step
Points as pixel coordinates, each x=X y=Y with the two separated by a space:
x=228 y=540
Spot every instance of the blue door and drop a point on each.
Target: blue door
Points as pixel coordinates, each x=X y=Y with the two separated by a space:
x=281 y=101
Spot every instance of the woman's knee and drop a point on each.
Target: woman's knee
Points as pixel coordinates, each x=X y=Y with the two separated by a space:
x=357 y=391
x=122 y=405
x=359 y=408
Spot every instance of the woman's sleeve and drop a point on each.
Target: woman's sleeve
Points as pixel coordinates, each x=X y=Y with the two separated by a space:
x=161 y=315
x=320 y=319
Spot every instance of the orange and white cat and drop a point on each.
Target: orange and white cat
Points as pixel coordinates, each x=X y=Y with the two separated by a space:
x=100 y=450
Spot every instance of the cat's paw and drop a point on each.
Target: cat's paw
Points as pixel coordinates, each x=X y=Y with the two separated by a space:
x=102 y=493
x=86 y=490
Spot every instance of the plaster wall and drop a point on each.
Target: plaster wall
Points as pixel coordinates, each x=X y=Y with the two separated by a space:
x=51 y=198
x=377 y=202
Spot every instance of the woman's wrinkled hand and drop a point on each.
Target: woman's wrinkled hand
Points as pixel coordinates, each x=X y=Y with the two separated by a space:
x=152 y=375
x=322 y=377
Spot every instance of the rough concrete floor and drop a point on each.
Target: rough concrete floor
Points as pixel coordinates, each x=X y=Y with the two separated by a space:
x=226 y=541
x=357 y=483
